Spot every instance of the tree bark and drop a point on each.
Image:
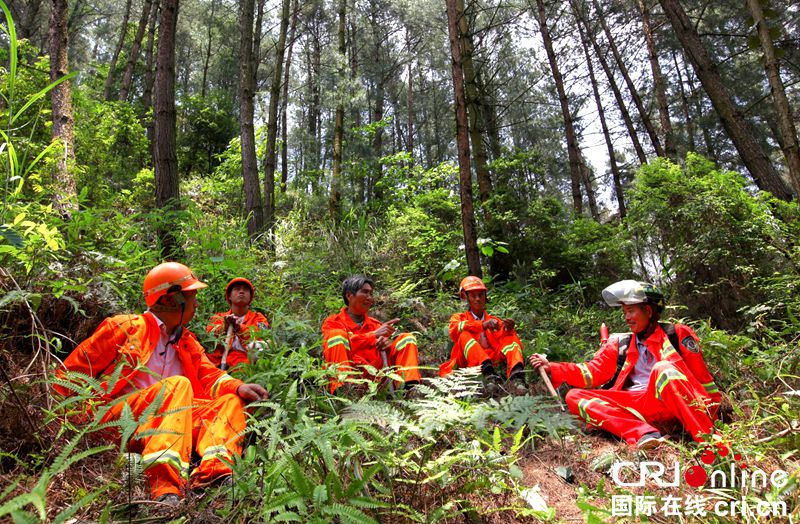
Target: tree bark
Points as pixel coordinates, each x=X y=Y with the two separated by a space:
x=150 y=74
x=25 y=15
x=623 y=69
x=474 y=113
x=410 y=99
x=115 y=56
x=272 y=120
x=738 y=129
x=285 y=101
x=334 y=204
x=783 y=111
x=462 y=141
x=573 y=151
x=601 y=113
x=252 y=191
x=127 y=77
x=621 y=104
x=165 y=159
x=587 y=186
x=64 y=195
x=687 y=115
x=209 y=37
x=659 y=85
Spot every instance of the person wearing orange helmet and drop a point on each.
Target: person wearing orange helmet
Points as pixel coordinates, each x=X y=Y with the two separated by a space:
x=481 y=339
x=353 y=338
x=246 y=325
x=154 y=368
x=642 y=382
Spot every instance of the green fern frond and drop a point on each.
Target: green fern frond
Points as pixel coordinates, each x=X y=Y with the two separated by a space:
x=348 y=514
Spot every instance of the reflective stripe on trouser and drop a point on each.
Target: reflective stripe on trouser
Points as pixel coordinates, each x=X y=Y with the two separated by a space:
x=468 y=352
x=175 y=424
x=217 y=430
x=167 y=444
x=403 y=353
x=631 y=414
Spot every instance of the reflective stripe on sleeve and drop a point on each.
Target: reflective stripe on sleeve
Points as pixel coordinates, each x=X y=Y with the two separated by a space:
x=338 y=340
x=587 y=375
x=215 y=388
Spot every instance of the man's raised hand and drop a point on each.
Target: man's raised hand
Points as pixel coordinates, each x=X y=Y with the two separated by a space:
x=387 y=329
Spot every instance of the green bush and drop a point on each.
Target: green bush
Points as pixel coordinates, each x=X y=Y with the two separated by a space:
x=708 y=236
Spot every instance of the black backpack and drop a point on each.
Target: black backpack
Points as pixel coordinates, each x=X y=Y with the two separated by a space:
x=625 y=341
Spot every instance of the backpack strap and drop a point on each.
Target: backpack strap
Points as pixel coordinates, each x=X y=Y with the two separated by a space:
x=672 y=335
x=624 y=342
x=622 y=355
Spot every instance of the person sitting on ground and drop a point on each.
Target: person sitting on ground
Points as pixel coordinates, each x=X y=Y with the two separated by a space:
x=246 y=327
x=481 y=339
x=353 y=338
x=654 y=377
x=200 y=408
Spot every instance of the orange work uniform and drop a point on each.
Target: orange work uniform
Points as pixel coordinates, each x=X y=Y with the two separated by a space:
x=345 y=344
x=680 y=388
x=198 y=410
x=465 y=331
x=253 y=322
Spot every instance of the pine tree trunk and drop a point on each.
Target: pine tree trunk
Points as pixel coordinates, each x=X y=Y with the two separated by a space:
x=623 y=69
x=462 y=142
x=165 y=159
x=573 y=152
x=601 y=113
x=25 y=16
x=587 y=186
x=207 y=61
x=127 y=77
x=621 y=104
x=150 y=74
x=687 y=114
x=272 y=119
x=659 y=85
x=474 y=114
x=64 y=195
x=334 y=204
x=252 y=191
x=737 y=128
x=410 y=100
x=285 y=101
x=112 y=68
x=788 y=132
x=312 y=162
x=489 y=109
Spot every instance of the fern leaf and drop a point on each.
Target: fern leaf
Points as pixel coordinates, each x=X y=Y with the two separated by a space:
x=348 y=514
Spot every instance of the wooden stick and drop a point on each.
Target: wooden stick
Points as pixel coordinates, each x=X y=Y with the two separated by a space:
x=550 y=387
x=386 y=365
x=228 y=342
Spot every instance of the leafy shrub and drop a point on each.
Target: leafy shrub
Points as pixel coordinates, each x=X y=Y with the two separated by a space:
x=707 y=234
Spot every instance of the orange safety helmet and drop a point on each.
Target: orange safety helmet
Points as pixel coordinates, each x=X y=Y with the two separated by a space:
x=471 y=284
x=169 y=277
x=239 y=280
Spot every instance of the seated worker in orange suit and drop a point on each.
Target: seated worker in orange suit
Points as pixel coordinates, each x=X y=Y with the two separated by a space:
x=481 y=339
x=201 y=407
x=656 y=376
x=246 y=323
x=353 y=338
